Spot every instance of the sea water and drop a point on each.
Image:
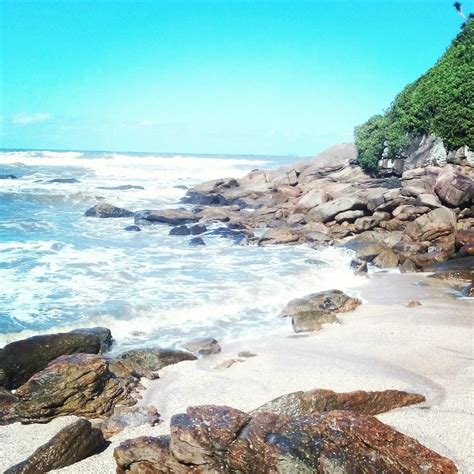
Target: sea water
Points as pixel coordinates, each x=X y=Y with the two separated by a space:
x=60 y=270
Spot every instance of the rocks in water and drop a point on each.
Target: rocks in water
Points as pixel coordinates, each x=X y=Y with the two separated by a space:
x=64 y=180
x=147 y=362
x=8 y=176
x=196 y=241
x=104 y=211
x=220 y=439
x=365 y=250
x=310 y=312
x=78 y=384
x=175 y=217
x=359 y=266
x=202 y=346
x=210 y=193
x=180 y=230
x=197 y=229
x=318 y=400
x=132 y=228
x=104 y=335
x=122 y=187
x=70 y=445
x=19 y=360
x=277 y=236
x=128 y=417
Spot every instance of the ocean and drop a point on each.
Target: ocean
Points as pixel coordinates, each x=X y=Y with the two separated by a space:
x=60 y=270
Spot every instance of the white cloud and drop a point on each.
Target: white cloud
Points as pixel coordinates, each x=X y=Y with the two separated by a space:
x=26 y=119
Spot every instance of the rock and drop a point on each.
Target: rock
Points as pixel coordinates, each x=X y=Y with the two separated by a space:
x=104 y=210
x=359 y=266
x=19 y=360
x=428 y=200
x=246 y=354
x=292 y=177
x=367 y=223
x=408 y=213
x=180 y=230
x=70 y=445
x=386 y=259
x=454 y=189
x=220 y=439
x=464 y=237
x=211 y=192
x=122 y=187
x=203 y=346
x=8 y=402
x=149 y=361
x=413 y=304
x=173 y=217
x=277 y=236
x=8 y=176
x=311 y=199
x=78 y=384
x=433 y=225
x=213 y=214
x=196 y=241
x=225 y=364
x=408 y=267
x=104 y=335
x=64 y=180
x=197 y=229
x=365 y=250
x=310 y=312
x=326 y=212
x=349 y=216
x=314 y=401
x=132 y=228
x=128 y=417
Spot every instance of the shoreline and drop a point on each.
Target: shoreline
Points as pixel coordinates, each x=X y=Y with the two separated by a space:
x=381 y=345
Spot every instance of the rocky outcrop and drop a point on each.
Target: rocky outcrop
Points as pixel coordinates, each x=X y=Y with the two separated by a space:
x=454 y=188
x=224 y=440
x=72 y=444
x=173 y=217
x=21 y=359
x=78 y=384
x=104 y=210
x=313 y=401
x=147 y=362
x=310 y=312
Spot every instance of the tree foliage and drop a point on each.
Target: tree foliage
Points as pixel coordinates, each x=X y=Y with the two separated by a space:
x=441 y=103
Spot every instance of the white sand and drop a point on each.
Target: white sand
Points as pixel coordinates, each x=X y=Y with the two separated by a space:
x=381 y=345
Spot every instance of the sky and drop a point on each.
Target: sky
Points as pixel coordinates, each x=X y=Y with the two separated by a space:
x=220 y=77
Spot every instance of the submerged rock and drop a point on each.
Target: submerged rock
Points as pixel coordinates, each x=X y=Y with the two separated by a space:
x=220 y=439
x=310 y=312
x=203 y=346
x=64 y=180
x=313 y=401
x=122 y=187
x=72 y=444
x=104 y=211
x=132 y=228
x=148 y=362
x=173 y=217
x=8 y=176
x=197 y=229
x=180 y=230
x=196 y=241
x=20 y=360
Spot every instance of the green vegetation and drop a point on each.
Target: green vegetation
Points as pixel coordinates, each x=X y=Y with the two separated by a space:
x=441 y=103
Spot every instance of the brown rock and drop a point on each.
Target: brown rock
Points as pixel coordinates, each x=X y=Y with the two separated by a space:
x=366 y=223
x=313 y=401
x=408 y=267
x=454 y=189
x=413 y=304
x=386 y=259
x=72 y=444
x=278 y=236
x=431 y=226
x=104 y=210
x=225 y=364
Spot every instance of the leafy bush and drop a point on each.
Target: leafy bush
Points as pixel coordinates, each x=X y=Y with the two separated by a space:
x=441 y=102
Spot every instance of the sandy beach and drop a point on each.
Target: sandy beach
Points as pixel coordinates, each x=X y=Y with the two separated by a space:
x=382 y=345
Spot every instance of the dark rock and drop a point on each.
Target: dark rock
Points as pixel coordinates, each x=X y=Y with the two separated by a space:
x=64 y=180
x=197 y=229
x=19 y=360
x=313 y=401
x=104 y=211
x=149 y=361
x=173 y=217
x=128 y=417
x=122 y=187
x=104 y=335
x=181 y=186
x=180 y=230
x=365 y=250
x=203 y=346
x=196 y=241
x=310 y=312
x=132 y=228
x=72 y=444
x=78 y=384
x=359 y=266
x=213 y=439
x=8 y=176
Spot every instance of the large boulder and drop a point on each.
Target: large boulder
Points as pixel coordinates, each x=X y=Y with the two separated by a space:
x=454 y=189
x=433 y=225
x=310 y=312
x=78 y=384
x=19 y=360
x=313 y=401
x=326 y=212
x=278 y=236
x=215 y=439
x=211 y=192
x=311 y=199
x=105 y=210
x=72 y=444
x=173 y=217
x=147 y=362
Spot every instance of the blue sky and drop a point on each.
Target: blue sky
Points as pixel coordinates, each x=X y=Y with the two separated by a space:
x=221 y=76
